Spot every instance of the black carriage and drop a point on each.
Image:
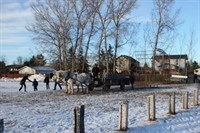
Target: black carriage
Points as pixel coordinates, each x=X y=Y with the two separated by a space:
x=111 y=79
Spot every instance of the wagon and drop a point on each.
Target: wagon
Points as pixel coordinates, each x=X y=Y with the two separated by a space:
x=111 y=79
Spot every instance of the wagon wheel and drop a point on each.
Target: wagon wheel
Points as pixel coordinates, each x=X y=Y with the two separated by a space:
x=91 y=88
x=122 y=85
x=106 y=87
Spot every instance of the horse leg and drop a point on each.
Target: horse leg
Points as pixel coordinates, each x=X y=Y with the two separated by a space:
x=66 y=89
x=82 y=88
x=86 y=90
x=77 y=88
x=72 y=88
x=69 y=88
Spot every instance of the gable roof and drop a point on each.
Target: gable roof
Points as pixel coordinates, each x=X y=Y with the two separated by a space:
x=14 y=66
x=24 y=68
x=43 y=68
x=128 y=57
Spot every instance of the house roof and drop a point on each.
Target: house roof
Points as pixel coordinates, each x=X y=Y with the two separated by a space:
x=43 y=68
x=14 y=66
x=24 y=67
x=128 y=57
x=183 y=56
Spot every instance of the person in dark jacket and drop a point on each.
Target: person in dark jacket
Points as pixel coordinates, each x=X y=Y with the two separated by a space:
x=95 y=71
x=195 y=78
x=35 y=84
x=22 y=82
x=132 y=79
x=46 y=80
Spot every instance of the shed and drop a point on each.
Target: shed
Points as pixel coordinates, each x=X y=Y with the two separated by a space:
x=26 y=70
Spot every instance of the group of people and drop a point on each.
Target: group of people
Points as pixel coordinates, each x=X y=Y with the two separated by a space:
x=34 y=83
x=95 y=74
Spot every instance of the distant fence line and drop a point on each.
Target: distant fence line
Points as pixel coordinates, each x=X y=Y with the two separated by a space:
x=11 y=75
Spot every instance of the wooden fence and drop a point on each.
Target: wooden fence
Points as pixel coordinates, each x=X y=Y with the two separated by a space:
x=11 y=75
x=78 y=112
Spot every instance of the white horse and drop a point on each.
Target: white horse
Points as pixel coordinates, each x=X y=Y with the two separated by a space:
x=82 y=79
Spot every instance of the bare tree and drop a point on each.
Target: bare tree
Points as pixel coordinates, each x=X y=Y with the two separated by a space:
x=164 y=24
x=3 y=59
x=51 y=26
x=105 y=20
x=19 y=60
x=120 y=8
x=93 y=6
x=79 y=25
x=67 y=28
x=190 y=46
x=84 y=16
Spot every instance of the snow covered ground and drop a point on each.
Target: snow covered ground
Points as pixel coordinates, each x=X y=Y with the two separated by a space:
x=48 y=111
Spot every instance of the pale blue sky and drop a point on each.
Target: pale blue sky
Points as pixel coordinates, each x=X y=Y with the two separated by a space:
x=16 y=41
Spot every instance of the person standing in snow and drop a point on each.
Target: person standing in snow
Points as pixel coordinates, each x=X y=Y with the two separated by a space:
x=46 y=80
x=22 y=82
x=35 y=84
x=132 y=79
x=57 y=81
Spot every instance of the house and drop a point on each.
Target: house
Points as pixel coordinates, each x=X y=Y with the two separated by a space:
x=10 y=69
x=26 y=70
x=173 y=64
x=125 y=64
x=36 y=70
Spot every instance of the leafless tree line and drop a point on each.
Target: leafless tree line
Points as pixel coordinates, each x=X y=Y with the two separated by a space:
x=69 y=27
x=65 y=27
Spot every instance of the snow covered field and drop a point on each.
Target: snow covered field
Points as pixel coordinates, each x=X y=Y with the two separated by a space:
x=48 y=111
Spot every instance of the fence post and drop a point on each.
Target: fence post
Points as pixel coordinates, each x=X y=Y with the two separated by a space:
x=78 y=119
x=123 y=116
x=195 y=97
x=151 y=107
x=185 y=100
x=1 y=126
x=172 y=104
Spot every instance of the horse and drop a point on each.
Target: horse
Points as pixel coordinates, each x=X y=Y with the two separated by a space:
x=78 y=79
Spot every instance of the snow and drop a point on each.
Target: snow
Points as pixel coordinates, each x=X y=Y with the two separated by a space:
x=47 y=111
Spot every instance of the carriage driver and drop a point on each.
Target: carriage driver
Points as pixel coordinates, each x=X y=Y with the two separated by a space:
x=95 y=72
